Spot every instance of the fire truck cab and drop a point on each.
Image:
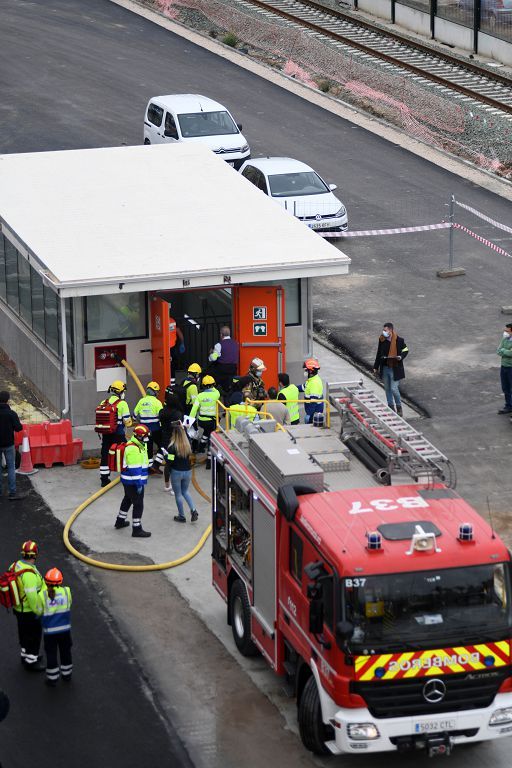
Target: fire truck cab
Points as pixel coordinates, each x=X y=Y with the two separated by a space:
x=385 y=607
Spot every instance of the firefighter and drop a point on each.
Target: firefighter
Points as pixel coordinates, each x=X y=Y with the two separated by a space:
x=239 y=407
x=30 y=584
x=134 y=476
x=205 y=409
x=290 y=394
x=54 y=607
x=255 y=389
x=313 y=389
x=147 y=412
x=117 y=394
x=188 y=390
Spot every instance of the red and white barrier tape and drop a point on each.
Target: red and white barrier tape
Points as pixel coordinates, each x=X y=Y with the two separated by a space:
x=484 y=217
x=483 y=240
x=372 y=232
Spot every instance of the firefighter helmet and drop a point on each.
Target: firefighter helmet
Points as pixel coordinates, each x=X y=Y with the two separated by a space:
x=29 y=549
x=208 y=381
x=195 y=368
x=311 y=364
x=53 y=577
x=140 y=431
x=154 y=385
x=117 y=386
x=257 y=364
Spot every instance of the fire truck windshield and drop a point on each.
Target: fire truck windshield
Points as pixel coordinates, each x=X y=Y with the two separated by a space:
x=422 y=608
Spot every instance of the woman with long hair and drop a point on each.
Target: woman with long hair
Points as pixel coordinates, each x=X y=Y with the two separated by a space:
x=178 y=459
x=170 y=413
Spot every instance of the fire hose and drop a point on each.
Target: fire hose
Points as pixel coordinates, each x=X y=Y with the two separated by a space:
x=132 y=568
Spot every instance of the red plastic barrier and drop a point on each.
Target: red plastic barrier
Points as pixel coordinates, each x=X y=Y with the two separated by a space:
x=53 y=443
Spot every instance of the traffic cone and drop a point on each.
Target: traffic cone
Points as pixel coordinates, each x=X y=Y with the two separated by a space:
x=26 y=466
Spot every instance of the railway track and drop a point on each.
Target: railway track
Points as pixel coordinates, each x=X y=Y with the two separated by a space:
x=467 y=82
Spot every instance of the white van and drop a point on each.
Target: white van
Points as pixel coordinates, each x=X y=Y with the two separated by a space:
x=191 y=117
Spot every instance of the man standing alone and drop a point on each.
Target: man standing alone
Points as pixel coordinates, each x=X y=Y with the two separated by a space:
x=9 y=424
x=505 y=352
x=389 y=364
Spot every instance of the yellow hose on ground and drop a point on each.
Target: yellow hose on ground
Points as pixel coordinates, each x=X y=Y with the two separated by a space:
x=132 y=568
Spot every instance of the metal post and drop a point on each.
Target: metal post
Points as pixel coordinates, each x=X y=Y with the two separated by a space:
x=451 y=219
x=64 y=362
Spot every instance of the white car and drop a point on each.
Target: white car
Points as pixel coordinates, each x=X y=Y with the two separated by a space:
x=190 y=117
x=300 y=190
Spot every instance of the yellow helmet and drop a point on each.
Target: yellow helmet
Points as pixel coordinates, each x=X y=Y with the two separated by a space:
x=208 y=381
x=118 y=386
x=154 y=385
x=194 y=368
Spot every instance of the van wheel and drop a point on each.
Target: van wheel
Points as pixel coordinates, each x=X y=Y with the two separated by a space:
x=313 y=731
x=147 y=141
x=241 y=619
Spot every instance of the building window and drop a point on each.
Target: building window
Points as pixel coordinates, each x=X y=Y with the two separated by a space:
x=296 y=556
x=24 y=290
x=11 y=275
x=37 y=304
x=117 y=316
x=51 y=319
x=3 y=287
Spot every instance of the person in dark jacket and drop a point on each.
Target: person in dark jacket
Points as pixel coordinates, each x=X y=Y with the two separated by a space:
x=170 y=414
x=389 y=364
x=224 y=359
x=9 y=424
x=178 y=458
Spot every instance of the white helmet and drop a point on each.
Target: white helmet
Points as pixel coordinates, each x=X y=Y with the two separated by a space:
x=257 y=364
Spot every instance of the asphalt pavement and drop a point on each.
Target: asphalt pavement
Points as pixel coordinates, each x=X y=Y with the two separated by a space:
x=108 y=714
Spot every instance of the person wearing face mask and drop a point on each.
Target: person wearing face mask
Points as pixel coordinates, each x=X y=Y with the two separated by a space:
x=112 y=417
x=255 y=389
x=389 y=365
x=505 y=352
x=134 y=477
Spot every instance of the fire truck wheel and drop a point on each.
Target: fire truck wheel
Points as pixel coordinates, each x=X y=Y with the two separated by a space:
x=241 y=619
x=313 y=731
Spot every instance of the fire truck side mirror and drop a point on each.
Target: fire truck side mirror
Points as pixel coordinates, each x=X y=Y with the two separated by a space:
x=287 y=501
x=316 y=616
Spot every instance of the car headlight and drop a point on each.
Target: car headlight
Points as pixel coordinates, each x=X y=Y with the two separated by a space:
x=342 y=211
x=501 y=716
x=245 y=148
x=363 y=731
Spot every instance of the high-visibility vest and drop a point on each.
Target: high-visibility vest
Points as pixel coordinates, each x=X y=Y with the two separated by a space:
x=29 y=585
x=314 y=391
x=135 y=463
x=205 y=406
x=241 y=409
x=55 y=611
x=290 y=393
x=147 y=410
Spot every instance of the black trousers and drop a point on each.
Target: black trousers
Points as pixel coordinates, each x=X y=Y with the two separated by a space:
x=208 y=426
x=106 y=443
x=155 y=438
x=54 y=645
x=224 y=376
x=131 y=497
x=29 y=635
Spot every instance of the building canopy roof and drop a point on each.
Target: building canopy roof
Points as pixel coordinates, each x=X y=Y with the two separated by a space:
x=98 y=221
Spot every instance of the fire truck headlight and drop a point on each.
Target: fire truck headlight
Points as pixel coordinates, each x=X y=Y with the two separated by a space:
x=501 y=716
x=363 y=731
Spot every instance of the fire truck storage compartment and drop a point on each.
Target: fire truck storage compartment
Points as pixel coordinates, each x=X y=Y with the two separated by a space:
x=264 y=564
x=280 y=461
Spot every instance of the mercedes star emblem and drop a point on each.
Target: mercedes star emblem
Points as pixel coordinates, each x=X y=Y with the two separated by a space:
x=434 y=691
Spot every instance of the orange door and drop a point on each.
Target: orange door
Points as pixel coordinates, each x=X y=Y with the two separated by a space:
x=258 y=326
x=159 y=313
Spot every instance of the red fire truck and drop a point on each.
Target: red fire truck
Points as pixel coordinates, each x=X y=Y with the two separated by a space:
x=386 y=607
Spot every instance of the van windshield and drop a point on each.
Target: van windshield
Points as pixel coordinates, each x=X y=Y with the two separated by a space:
x=452 y=606
x=194 y=124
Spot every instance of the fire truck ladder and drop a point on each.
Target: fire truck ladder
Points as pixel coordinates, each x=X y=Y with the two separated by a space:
x=405 y=448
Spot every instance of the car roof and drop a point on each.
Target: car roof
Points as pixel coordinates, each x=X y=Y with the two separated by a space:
x=271 y=165
x=188 y=102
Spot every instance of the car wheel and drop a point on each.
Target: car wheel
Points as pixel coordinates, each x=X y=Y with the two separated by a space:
x=147 y=141
x=241 y=619
x=313 y=731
